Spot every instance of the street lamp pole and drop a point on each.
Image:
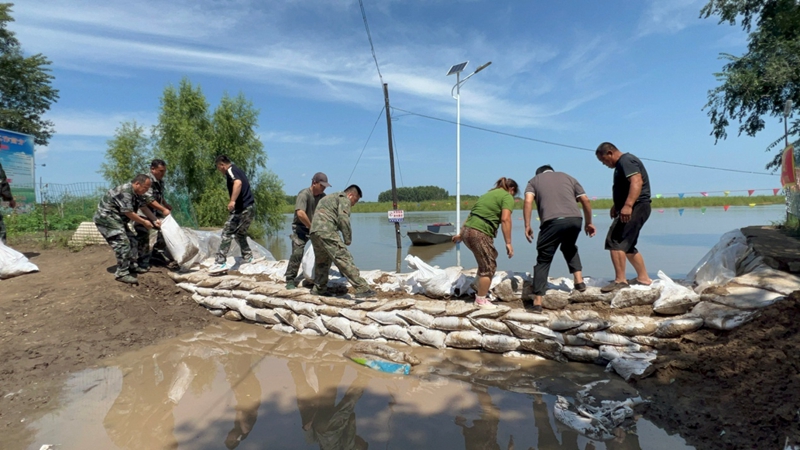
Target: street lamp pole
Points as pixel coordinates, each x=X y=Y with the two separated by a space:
x=457 y=69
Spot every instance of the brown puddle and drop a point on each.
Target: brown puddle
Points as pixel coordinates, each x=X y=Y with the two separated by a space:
x=235 y=385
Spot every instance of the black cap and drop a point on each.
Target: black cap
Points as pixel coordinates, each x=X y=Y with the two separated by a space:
x=321 y=178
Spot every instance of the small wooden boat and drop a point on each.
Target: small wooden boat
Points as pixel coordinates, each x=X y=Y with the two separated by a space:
x=437 y=233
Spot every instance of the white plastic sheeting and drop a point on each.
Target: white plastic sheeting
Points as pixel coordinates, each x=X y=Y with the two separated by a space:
x=13 y=263
x=718 y=266
x=190 y=247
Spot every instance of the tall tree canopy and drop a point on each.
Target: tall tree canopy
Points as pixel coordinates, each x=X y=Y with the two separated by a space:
x=189 y=138
x=26 y=92
x=127 y=155
x=757 y=84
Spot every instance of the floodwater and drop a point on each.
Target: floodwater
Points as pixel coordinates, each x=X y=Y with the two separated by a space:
x=237 y=385
x=671 y=241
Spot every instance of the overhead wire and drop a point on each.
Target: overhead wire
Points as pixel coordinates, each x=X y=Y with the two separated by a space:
x=369 y=36
x=380 y=114
x=575 y=147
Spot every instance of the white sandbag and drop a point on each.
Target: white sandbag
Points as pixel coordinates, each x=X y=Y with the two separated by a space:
x=307 y=264
x=435 y=282
x=674 y=299
x=182 y=247
x=721 y=317
x=633 y=367
x=765 y=277
x=745 y=297
x=13 y=263
x=718 y=266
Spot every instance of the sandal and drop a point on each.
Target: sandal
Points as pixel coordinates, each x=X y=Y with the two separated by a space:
x=613 y=287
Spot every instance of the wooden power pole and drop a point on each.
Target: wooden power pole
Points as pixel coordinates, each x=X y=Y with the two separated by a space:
x=391 y=160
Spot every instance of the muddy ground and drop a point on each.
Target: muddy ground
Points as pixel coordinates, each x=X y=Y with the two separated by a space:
x=722 y=390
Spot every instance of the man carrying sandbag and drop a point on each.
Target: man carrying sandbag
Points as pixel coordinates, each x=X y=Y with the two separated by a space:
x=332 y=217
x=304 y=208
x=114 y=212
x=154 y=199
x=5 y=194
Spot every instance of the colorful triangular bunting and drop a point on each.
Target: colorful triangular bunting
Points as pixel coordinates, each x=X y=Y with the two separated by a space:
x=680 y=196
x=726 y=193
x=750 y=192
x=775 y=191
x=704 y=194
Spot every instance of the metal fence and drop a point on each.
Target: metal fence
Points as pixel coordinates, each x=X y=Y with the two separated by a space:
x=60 y=207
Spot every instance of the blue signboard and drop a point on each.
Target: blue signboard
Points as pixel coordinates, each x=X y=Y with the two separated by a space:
x=16 y=156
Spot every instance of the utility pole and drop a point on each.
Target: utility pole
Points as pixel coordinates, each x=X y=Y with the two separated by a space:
x=391 y=161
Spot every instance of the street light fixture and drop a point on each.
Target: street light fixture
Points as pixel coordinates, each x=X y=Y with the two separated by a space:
x=457 y=69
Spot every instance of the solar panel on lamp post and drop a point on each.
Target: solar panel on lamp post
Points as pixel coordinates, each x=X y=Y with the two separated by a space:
x=457 y=69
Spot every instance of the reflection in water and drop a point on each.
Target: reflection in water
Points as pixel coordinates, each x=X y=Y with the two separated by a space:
x=244 y=387
x=247 y=391
x=482 y=435
x=325 y=421
x=430 y=252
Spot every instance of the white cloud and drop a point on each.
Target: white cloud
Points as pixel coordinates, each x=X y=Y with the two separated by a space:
x=88 y=123
x=301 y=139
x=669 y=17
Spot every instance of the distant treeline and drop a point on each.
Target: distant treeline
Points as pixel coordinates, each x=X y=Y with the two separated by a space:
x=467 y=201
x=415 y=194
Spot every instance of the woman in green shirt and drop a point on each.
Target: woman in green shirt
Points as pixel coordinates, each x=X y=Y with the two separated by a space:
x=490 y=212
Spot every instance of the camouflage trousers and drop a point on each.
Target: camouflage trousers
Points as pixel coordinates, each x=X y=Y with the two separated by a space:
x=123 y=241
x=2 y=230
x=299 y=240
x=143 y=247
x=236 y=228
x=329 y=249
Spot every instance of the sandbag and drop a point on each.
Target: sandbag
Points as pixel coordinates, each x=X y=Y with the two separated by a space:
x=13 y=263
x=181 y=245
x=674 y=299
x=307 y=264
x=718 y=266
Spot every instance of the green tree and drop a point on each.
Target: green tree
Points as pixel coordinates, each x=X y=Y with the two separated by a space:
x=758 y=83
x=25 y=86
x=188 y=138
x=415 y=194
x=128 y=154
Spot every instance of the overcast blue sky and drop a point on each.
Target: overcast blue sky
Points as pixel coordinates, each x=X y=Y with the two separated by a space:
x=632 y=72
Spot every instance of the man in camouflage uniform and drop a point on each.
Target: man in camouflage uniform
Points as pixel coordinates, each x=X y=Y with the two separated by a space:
x=331 y=217
x=304 y=208
x=5 y=194
x=114 y=212
x=154 y=199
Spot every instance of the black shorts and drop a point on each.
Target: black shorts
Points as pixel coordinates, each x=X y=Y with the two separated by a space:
x=624 y=236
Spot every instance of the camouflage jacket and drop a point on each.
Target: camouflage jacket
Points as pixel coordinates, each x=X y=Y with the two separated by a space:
x=5 y=189
x=113 y=206
x=332 y=215
x=154 y=194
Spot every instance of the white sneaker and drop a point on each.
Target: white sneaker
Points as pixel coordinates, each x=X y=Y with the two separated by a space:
x=218 y=268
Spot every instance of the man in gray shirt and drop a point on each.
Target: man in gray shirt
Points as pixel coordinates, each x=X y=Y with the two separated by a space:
x=556 y=195
x=304 y=208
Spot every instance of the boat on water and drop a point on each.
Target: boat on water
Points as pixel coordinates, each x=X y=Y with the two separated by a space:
x=436 y=233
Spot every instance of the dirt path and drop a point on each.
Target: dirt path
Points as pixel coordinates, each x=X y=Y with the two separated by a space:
x=723 y=390
x=69 y=317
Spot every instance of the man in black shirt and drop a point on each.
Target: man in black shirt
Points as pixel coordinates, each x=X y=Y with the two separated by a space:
x=631 y=195
x=241 y=209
